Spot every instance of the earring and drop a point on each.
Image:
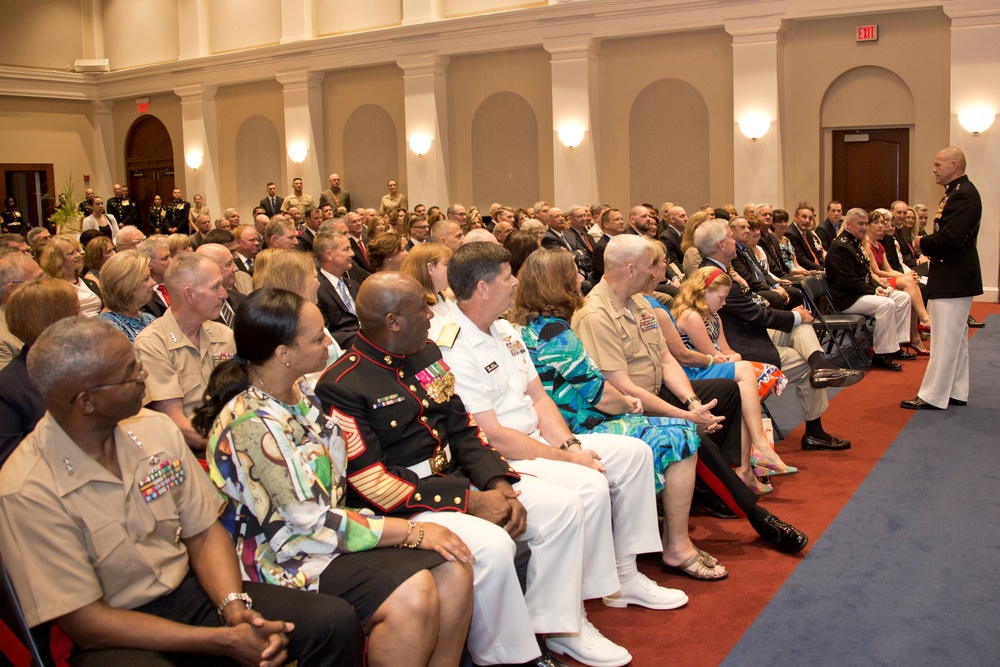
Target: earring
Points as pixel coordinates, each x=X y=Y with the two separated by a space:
x=287 y=365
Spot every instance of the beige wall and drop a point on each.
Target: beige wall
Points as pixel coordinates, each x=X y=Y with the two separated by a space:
x=140 y=33
x=242 y=24
x=339 y=16
x=703 y=59
x=471 y=79
x=452 y=8
x=167 y=108
x=48 y=36
x=233 y=105
x=913 y=46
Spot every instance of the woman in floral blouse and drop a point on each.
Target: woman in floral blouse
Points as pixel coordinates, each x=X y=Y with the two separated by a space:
x=281 y=465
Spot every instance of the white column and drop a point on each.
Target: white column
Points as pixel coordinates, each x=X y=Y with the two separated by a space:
x=421 y=11
x=92 y=15
x=975 y=83
x=104 y=147
x=200 y=138
x=574 y=109
x=426 y=107
x=296 y=20
x=301 y=90
x=757 y=164
x=192 y=29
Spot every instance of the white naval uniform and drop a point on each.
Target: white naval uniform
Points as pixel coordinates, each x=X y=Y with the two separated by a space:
x=492 y=372
x=892 y=318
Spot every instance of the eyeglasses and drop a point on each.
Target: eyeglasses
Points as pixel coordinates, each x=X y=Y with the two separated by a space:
x=139 y=377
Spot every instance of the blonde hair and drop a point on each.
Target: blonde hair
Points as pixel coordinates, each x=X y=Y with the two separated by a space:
x=416 y=263
x=54 y=254
x=694 y=288
x=262 y=264
x=695 y=221
x=291 y=270
x=177 y=243
x=38 y=304
x=121 y=276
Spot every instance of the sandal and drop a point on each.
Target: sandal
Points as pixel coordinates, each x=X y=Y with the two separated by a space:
x=696 y=568
x=764 y=468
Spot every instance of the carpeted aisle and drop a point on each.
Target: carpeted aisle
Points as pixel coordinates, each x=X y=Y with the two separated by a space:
x=871 y=580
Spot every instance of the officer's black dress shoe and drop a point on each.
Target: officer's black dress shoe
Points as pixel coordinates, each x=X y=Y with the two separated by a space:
x=782 y=536
x=834 y=377
x=716 y=508
x=904 y=355
x=917 y=404
x=957 y=401
x=975 y=324
x=834 y=444
x=885 y=363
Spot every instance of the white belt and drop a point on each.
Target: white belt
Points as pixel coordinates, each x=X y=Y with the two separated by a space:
x=433 y=465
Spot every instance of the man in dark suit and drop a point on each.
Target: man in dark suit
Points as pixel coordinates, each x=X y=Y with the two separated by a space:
x=831 y=226
x=337 y=293
x=159 y=259
x=745 y=264
x=676 y=219
x=785 y=339
x=355 y=232
x=803 y=240
x=579 y=238
x=272 y=202
x=313 y=219
x=247 y=247
x=554 y=236
x=612 y=223
x=335 y=196
x=953 y=280
x=768 y=242
x=223 y=258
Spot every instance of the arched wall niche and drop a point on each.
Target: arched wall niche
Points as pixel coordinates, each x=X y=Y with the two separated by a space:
x=504 y=151
x=258 y=160
x=371 y=154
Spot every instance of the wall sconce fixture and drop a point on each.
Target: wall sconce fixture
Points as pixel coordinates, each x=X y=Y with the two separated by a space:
x=297 y=152
x=420 y=143
x=754 y=125
x=571 y=134
x=193 y=159
x=976 y=119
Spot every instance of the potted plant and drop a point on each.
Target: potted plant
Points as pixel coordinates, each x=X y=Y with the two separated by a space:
x=66 y=212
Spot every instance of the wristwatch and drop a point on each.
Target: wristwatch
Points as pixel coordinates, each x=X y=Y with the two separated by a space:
x=693 y=399
x=247 y=600
x=569 y=443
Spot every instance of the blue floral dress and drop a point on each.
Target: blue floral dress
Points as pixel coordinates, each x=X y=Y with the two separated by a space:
x=576 y=385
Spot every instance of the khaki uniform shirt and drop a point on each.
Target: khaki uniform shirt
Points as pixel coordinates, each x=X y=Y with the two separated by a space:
x=619 y=340
x=302 y=203
x=176 y=368
x=72 y=533
x=10 y=344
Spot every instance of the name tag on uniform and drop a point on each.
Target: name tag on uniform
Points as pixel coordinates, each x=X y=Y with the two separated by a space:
x=492 y=367
x=647 y=322
x=161 y=479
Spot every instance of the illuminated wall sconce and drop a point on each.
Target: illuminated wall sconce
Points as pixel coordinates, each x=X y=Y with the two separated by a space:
x=754 y=125
x=193 y=159
x=976 y=119
x=571 y=134
x=420 y=143
x=297 y=153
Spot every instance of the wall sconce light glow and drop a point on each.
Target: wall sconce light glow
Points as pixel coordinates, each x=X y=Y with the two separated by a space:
x=420 y=143
x=976 y=119
x=193 y=159
x=297 y=152
x=571 y=134
x=754 y=125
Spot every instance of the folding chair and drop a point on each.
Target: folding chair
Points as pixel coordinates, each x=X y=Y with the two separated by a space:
x=19 y=644
x=828 y=326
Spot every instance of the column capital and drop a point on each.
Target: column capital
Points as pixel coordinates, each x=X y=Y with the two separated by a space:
x=299 y=78
x=197 y=91
x=422 y=63
x=966 y=13
x=755 y=30
x=571 y=47
x=100 y=107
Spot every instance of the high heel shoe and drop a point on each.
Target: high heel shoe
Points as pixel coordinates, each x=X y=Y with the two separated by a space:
x=924 y=328
x=919 y=351
x=758 y=487
x=763 y=468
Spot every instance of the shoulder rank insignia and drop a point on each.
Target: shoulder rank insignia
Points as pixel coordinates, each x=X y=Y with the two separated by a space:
x=448 y=335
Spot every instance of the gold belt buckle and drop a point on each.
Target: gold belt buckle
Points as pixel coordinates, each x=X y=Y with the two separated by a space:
x=438 y=462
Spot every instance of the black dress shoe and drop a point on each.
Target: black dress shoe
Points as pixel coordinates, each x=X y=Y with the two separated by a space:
x=834 y=444
x=834 y=377
x=904 y=355
x=884 y=363
x=975 y=324
x=957 y=401
x=716 y=508
x=782 y=536
x=547 y=659
x=917 y=404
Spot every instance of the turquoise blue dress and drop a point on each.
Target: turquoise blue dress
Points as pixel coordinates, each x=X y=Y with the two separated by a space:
x=576 y=385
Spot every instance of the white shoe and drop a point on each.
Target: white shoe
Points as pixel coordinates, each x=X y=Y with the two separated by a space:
x=641 y=590
x=590 y=647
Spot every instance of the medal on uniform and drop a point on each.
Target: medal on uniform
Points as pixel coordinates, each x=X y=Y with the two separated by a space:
x=161 y=479
x=387 y=400
x=438 y=381
x=647 y=322
x=221 y=357
x=514 y=345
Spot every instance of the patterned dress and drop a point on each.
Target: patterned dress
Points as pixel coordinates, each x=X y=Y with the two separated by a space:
x=576 y=385
x=130 y=326
x=282 y=469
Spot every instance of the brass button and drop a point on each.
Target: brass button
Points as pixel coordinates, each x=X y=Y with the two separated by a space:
x=400 y=373
x=458 y=501
x=393 y=423
x=412 y=388
x=423 y=419
x=388 y=359
x=425 y=403
x=437 y=499
x=353 y=358
x=434 y=431
x=416 y=496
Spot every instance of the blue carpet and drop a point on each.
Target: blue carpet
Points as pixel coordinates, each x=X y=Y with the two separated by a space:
x=906 y=574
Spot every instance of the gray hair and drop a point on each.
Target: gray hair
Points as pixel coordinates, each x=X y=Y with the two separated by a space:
x=708 y=236
x=856 y=213
x=65 y=353
x=126 y=231
x=151 y=245
x=13 y=267
x=625 y=249
x=184 y=270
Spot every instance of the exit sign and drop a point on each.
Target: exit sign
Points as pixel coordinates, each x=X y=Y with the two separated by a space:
x=867 y=33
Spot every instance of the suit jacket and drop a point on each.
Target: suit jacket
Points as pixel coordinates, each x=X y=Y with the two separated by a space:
x=234 y=299
x=891 y=256
x=306 y=240
x=552 y=240
x=769 y=242
x=359 y=260
x=326 y=197
x=826 y=232
x=341 y=322
x=242 y=266
x=906 y=248
x=800 y=242
x=598 y=259
x=584 y=255
x=747 y=267
x=155 y=307
x=270 y=211
x=746 y=323
x=21 y=404
x=954 y=271
x=672 y=240
x=847 y=271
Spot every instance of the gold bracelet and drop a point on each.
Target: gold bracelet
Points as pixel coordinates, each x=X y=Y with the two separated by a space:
x=410 y=524
x=420 y=538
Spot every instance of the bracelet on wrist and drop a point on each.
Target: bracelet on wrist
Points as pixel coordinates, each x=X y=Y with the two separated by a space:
x=693 y=399
x=245 y=598
x=420 y=537
x=711 y=360
x=569 y=443
x=409 y=529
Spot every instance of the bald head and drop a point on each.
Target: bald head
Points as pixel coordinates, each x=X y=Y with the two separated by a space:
x=479 y=234
x=186 y=270
x=223 y=258
x=382 y=294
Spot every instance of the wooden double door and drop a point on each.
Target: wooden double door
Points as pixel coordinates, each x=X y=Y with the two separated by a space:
x=871 y=168
x=149 y=159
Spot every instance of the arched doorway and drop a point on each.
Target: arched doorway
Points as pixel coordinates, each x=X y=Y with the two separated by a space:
x=149 y=162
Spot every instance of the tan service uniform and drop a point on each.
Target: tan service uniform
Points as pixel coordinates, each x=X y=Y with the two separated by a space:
x=72 y=533
x=176 y=368
x=10 y=344
x=302 y=203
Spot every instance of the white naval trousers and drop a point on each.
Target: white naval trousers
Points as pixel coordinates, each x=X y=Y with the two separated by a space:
x=892 y=318
x=947 y=374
